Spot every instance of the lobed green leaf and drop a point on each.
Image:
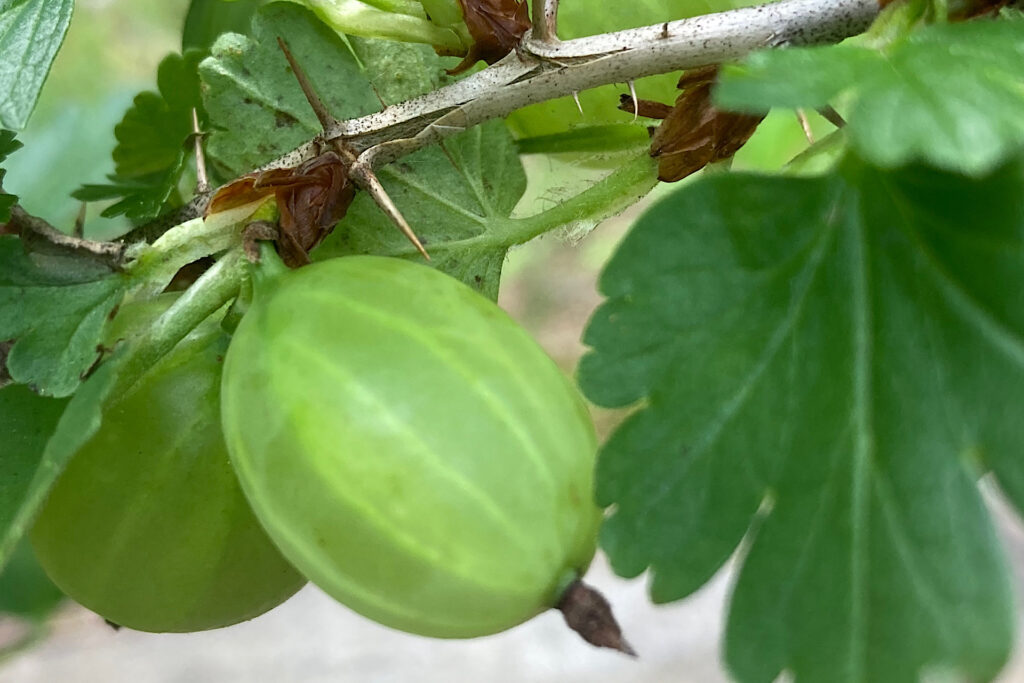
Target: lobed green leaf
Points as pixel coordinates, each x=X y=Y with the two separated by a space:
x=8 y=145
x=457 y=198
x=951 y=95
x=27 y=421
x=824 y=367
x=31 y=33
x=55 y=314
x=150 y=155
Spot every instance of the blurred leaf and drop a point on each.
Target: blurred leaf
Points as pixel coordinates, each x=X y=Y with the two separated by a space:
x=459 y=204
x=26 y=420
x=256 y=106
x=150 y=154
x=62 y=152
x=208 y=19
x=600 y=105
x=399 y=20
x=56 y=315
x=139 y=198
x=8 y=145
x=31 y=33
x=25 y=590
x=822 y=367
x=951 y=95
x=32 y=468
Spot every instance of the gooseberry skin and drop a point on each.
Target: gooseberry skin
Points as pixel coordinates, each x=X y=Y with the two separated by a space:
x=147 y=525
x=409 y=447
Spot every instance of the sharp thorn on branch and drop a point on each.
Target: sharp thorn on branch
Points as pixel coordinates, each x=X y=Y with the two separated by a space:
x=632 y=93
x=576 y=99
x=202 y=178
x=322 y=114
x=832 y=116
x=362 y=175
x=78 y=231
x=805 y=124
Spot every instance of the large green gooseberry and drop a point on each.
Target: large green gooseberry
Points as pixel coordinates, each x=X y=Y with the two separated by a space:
x=409 y=447
x=147 y=526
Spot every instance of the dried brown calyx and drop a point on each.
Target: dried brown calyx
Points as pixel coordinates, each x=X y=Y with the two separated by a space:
x=694 y=132
x=311 y=198
x=588 y=613
x=496 y=26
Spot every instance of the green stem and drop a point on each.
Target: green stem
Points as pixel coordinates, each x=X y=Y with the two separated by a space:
x=606 y=198
x=214 y=288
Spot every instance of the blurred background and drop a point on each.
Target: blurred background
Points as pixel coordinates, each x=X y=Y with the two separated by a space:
x=111 y=53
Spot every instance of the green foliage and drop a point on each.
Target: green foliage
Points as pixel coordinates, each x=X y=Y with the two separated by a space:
x=55 y=311
x=151 y=152
x=26 y=421
x=825 y=366
x=459 y=200
x=253 y=99
x=37 y=470
x=7 y=145
x=31 y=32
x=25 y=590
x=600 y=105
x=951 y=95
x=207 y=19
x=404 y=20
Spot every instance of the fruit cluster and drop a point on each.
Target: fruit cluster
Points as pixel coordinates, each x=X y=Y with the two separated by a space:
x=372 y=425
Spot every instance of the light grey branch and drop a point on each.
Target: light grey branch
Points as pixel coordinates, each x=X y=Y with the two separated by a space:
x=542 y=70
x=571 y=66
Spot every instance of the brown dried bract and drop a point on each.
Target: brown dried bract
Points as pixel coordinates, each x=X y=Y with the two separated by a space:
x=696 y=133
x=497 y=26
x=311 y=197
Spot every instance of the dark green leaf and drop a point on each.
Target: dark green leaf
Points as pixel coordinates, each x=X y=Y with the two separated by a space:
x=25 y=590
x=7 y=145
x=256 y=105
x=55 y=314
x=207 y=19
x=26 y=421
x=151 y=138
x=140 y=198
x=459 y=204
x=80 y=419
x=824 y=366
x=951 y=95
x=31 y=32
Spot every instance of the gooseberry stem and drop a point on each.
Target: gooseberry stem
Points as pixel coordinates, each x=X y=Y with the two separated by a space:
x=588 y=613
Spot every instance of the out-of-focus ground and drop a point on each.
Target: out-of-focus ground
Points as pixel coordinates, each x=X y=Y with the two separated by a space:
x=550 y=286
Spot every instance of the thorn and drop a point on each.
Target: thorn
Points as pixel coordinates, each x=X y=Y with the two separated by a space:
x=202 y=179
x=832 y=116
x=576 y=98
x=383 y=104
x=632 y=92
x=79 y=229
x=364 y=176
x=322 y=115
x=801 y=116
